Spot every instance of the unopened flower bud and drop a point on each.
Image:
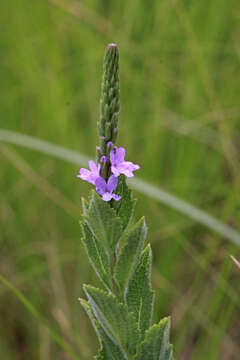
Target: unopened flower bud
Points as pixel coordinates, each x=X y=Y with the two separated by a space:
x=103 y=159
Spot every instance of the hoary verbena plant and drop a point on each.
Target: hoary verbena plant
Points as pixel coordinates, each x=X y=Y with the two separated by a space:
x=121 y=313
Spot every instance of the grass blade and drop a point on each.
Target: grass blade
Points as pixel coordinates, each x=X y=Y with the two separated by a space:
x=142 y=186
x=54 y=335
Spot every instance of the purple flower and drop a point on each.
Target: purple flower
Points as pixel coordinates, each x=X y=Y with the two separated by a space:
x=119 y=166
x=103 y=159
x=105 y=189
x=90 y=175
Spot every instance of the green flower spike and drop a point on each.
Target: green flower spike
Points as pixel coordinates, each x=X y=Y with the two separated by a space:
x=109 y=105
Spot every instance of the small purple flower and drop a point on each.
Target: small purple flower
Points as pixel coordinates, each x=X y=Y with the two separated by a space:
x=119 y=166
x=105 y=189
x=103 y=159
x=90 y=175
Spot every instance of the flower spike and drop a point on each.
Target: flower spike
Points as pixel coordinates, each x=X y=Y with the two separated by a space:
x=110 y=100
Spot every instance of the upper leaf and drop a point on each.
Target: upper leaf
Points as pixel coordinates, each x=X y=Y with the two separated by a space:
x=85 y=205
x=129 y=255
x=103 y=222
x=139 y=295
x=125 y=207
x=114 y=318
x=156 y=343
x=97 y=255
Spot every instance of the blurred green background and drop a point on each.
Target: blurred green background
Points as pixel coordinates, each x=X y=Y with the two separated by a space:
x=179 y=120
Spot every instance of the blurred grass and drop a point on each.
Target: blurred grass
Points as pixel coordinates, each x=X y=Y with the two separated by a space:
x=179 y=120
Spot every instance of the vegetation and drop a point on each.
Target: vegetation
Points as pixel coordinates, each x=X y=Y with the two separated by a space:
x=179 y=120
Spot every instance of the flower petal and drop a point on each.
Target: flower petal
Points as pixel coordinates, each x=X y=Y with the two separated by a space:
x=131 y=166
x=112 y=183
x=101 y=185
x=120 y=155
x=112 y=157
x=127 y=168
x=83 y=172
x=115 y=171
x=127 y=172
x=86 y=175
x=116 y=197
x=93 y=167
x=107 y=196
x=100 y=191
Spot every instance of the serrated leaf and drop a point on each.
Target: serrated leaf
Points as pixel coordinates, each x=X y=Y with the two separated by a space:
x=156 y=343
x=103 y=222
x=97 y=255
x=125 y=207
x=119 y=325
x=139 y=295
x=109 y=350
x=129 y=255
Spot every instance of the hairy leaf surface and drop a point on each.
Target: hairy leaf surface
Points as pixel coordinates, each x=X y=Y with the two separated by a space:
x=116 y=321
x=97 y=255
x=156 y=343
x=125 y=207
x=129 y=255
x=103 y=222
x=139 y=295
x=109 y=350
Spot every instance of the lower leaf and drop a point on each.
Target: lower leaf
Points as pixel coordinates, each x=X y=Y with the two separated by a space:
x=156 y=343
x=109 y=350
x=114 y=318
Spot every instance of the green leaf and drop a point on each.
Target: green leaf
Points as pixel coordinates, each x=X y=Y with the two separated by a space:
x=85 y=206
x=103 y=222
x=100 y=356
x=125 y=207
x=139 y=295
x=119 y=325
x=129 y=255
x=156 y=343
x=109 y=350
x=97 y=255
